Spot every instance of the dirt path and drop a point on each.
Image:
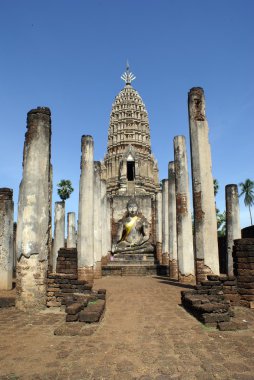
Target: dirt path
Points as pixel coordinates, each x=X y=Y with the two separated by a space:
x=145 y=334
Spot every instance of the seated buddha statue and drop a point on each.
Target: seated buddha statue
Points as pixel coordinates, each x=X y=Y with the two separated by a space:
x=133 y=232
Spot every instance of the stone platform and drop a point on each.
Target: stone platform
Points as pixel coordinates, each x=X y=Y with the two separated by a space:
x=131 y=264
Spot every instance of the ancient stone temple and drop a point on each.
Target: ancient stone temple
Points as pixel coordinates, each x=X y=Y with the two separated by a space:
x=129 y=167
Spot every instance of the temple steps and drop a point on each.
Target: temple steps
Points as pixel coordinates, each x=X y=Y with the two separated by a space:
x=129 y=270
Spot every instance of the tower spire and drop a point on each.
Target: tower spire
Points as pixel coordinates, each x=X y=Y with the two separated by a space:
x=127 y=76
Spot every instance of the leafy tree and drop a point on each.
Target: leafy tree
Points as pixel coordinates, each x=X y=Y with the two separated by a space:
x=64 y=189
x=221 y=222
x=220 y=216
x=247 y=189
x=215 y=186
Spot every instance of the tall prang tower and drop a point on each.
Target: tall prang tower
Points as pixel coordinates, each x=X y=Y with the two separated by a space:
x=129 y=166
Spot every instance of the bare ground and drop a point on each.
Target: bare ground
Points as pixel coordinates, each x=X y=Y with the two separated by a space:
x=145 y=334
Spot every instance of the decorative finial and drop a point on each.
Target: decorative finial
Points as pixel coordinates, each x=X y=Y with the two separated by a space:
x=128 y=77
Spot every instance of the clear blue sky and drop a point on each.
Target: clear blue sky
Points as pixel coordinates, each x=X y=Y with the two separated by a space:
x=69 y=55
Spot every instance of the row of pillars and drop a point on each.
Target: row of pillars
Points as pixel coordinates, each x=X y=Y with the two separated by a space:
x=34 y=233
x=192 y=246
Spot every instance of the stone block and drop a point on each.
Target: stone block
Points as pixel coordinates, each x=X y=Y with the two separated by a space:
x=210 y=283
x=215 y=317
x=72 y=317
x=230 y=283
x=212 y=277
x=246 y=285
x=245 y=291
x=53 y=304
x=213 y=308
x=101 y=296
x=89 y=316
x=74 y=308
x=232 y=326
x=101 y=291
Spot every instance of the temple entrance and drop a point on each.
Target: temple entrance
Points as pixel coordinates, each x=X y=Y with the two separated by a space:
x=130 y=170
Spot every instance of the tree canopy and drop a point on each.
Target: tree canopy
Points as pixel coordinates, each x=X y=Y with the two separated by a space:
x=247 y=189
x=64 y=189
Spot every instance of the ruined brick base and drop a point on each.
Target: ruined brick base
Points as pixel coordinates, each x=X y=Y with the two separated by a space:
x=165 y=259
x=159 y=252
x=187 y=279
x=202 y=271
x=61 y=285
x=208 y=304
x=31 y=283
x=105 y=259
x=230 y=291
x=97 y=270
x=87 y=274
x=243 y=255
x=173 y=269
x=67 y=261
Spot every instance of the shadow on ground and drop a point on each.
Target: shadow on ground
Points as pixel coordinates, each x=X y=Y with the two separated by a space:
x=168 y=281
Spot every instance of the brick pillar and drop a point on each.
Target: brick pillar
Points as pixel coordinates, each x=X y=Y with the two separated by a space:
x=233 y=230
x=205 y=222
x=34 y=213
x=59 y=231
x=173 y=262
x=86 y=211
x=6 y=238
x=183 y=213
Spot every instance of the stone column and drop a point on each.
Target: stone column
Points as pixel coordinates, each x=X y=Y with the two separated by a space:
x=71 y=230
x=104 y=227
x=86 y=211
x=173 y=263
x=158 y=201
x=59 y=231
x=34 y=213
x=97 y=220
x=233 y=228
x=109 y=224
x=6 y=238
x=165 y=230
x=183 y=213
x=14 y=245
x=205 y=222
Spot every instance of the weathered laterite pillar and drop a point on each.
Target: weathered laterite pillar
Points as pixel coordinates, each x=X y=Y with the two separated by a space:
x=165 y=230
x=97 y=220
x=59 y=231
x=109 y=224
x=104 y=224
x=34 y=213
x=183 y=213
x=86 y=211
x=233 y=228
x=71 y=230
x=6 y=238
x=173 y=263
x=158 y=203
x=205 y=223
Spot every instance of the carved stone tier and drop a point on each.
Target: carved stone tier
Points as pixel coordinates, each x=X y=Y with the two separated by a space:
x=129 y=167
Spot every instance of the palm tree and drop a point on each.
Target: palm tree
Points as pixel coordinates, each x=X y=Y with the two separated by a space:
x=64 y=189
x=247 y=189
x=215 y=186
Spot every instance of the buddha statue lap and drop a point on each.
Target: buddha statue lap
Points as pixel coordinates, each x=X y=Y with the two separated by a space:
x=133 y=232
